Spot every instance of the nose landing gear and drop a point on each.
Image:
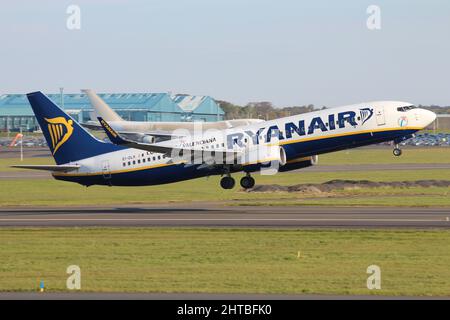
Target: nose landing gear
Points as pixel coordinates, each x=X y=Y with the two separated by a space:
x=247 y=182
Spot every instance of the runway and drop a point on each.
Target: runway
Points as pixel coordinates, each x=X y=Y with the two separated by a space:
x=215 y=215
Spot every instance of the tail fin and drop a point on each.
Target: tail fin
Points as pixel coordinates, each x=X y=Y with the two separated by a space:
x=101 y=108
x=67 y=140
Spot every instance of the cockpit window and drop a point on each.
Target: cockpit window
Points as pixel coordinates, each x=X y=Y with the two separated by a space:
x=405 y=108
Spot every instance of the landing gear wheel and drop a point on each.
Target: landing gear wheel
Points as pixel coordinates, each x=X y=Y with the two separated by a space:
x=227 y=183
x=247 y=182
x=397 y=152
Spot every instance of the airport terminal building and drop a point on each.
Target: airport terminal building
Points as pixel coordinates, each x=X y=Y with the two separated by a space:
x=16 y=112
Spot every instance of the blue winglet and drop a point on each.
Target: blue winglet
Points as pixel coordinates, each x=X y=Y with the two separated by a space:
x=112 y=135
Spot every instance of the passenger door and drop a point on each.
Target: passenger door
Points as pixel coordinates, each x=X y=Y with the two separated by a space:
x=379 y=113
x=106 y=171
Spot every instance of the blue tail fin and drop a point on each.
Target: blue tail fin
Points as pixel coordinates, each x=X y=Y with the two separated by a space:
x=68 y=141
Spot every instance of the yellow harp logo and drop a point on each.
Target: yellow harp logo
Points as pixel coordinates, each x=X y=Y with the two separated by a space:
x=60 y=131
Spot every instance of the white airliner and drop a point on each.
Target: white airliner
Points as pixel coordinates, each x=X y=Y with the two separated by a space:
x=151 y=129
x=277 y=145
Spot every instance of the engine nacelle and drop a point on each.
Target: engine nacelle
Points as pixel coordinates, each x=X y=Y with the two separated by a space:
x=139 y=137
x=148 y=139
x=300 y=163
x=263 y=157
x=283 y=158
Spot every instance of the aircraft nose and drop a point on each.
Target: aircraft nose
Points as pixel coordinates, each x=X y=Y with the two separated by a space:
x=427 y=117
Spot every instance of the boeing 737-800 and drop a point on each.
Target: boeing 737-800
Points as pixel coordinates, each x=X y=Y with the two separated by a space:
x=285 y=144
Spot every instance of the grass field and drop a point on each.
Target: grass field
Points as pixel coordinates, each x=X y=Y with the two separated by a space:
x=385 y=156
x=227 y=260
x=51 y=192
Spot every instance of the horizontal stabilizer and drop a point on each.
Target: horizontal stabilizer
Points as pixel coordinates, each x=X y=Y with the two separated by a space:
x=56 y=168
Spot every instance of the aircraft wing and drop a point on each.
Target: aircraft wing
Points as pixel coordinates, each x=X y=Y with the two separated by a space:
x=57 y=168
x=156 y=134
x=160 y=148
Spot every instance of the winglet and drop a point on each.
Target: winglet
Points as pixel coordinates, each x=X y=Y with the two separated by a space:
x=112 y=135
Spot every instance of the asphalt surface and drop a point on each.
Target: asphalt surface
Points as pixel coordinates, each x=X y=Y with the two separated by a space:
x=215 y=215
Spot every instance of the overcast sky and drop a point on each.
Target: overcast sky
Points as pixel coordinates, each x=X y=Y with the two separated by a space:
x=289 y=52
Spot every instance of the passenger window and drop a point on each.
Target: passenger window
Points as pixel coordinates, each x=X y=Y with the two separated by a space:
x=129 y=163
x=134 y=162
x=159 y=157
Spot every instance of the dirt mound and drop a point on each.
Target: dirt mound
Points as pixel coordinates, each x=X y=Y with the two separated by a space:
x=347 y=185
x=301 y=188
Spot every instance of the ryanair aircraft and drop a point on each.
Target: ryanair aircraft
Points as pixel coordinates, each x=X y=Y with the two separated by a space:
x=277 y=145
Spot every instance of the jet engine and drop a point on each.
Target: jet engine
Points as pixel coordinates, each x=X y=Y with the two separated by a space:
x=300 y=163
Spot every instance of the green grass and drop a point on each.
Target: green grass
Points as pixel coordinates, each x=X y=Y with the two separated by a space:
x=7 y=162
x=226 y=260
x=385 y=156
x=435 y=131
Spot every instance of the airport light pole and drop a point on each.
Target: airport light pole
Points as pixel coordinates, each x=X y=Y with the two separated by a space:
x=7 y=126
x=61 y=92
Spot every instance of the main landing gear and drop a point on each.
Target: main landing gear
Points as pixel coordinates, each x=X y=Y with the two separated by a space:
x=397 y=151
x=228 y=182
x=247 y=182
